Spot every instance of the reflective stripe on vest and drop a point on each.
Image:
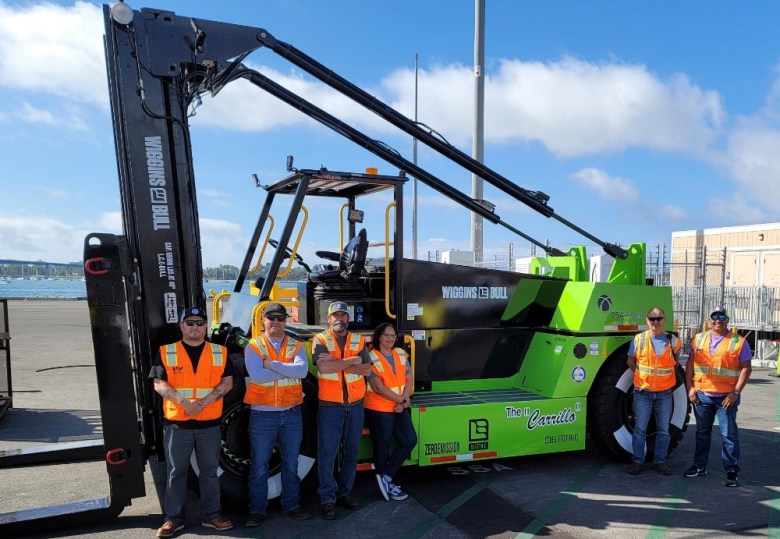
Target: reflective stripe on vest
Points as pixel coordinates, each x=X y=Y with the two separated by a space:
x=394 y=381
x=716 y=373
x=330 y=384
x=281 y=393
x=653 y=372
x=192 y=385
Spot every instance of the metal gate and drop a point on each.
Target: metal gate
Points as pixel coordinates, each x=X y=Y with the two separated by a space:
x=698 y=279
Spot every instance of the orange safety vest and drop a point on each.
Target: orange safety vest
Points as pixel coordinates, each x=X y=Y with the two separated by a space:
x=653 y=373
x=284 y=392
x=330 y=385
x=193 y=385
x=394 y=381
x=716 y=373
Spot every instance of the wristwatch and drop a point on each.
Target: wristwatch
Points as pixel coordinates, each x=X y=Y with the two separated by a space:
x=736 y=392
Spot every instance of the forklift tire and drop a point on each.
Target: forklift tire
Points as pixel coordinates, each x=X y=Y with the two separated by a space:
x=235 y=452
x=611 y=413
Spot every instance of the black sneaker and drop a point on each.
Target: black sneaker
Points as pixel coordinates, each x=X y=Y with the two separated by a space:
x=662 y=468
x=731 y=479
x=298 y=514
x=329 y=511
x=349 y=502
x=634 y=468
x=254 y=520
x=695 y=471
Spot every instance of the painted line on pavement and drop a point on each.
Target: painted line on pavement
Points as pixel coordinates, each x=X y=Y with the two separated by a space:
x=560 y=503
x=439 y=516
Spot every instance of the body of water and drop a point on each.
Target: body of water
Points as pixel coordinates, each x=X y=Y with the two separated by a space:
x=71 y=288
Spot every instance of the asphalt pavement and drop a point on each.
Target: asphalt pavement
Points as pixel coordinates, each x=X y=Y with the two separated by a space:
x=579 y=494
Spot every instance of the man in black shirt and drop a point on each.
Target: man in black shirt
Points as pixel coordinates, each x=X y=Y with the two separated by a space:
x=192 y=376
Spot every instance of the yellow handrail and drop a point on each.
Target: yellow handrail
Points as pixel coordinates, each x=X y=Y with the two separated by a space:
x=297 y=242
x=387 y=260
x=410 y=341
x=216 y=306
x=341 y=226
x=265 y=244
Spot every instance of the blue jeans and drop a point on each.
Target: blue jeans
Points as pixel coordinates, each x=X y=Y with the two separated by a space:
x=179 y=444
x=385 y=426
x=705 y=413
x=646 y=404
x=266 y=430
x=337 y=425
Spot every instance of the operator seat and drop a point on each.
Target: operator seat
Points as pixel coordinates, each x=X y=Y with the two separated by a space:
x=352 y=261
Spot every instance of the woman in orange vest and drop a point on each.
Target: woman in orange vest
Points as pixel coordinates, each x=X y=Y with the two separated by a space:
x=653 y=358
x=387 y=409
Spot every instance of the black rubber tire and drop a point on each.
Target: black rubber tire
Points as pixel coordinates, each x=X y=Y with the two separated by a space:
x=611 y=414
x=234 y=455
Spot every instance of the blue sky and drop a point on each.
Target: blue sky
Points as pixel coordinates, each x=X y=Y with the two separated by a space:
x=637 y=119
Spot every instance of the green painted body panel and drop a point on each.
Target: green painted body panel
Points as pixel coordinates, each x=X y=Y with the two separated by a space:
x=523 y=424
x=574 y=326
x=606 y=307
x=562 y=366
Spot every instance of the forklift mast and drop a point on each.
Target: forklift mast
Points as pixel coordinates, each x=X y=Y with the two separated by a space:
x=159 y=64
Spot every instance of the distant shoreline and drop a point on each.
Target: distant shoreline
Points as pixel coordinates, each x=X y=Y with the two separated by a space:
x=42 y=298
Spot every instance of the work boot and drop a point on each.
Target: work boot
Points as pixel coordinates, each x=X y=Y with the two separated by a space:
x=255 y=520
x=662 y=468
x=298 y=514
x=170 y=527
x=218 y=523
x=349 y=502
x=328 y=511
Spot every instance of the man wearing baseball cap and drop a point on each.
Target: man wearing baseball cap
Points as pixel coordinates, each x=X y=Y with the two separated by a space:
x=276 y=365
x=192 y=375
x=342 y=364
x=716 y=373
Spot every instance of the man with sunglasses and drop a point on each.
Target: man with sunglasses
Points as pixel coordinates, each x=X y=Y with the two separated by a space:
x=192 y=376
x=715 y=375
x=652 y=356
x=276 y=365
x=342 y=365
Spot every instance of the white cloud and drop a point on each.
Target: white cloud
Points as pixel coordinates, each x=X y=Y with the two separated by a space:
x=26 y=238
x=571 y=106
x=69 y=119
x=54 y=49
x=607 y=187
x=216 y=197
x=734 y=211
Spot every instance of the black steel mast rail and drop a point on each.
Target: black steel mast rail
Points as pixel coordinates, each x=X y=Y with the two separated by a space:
x=535 y=200
x=379 y=149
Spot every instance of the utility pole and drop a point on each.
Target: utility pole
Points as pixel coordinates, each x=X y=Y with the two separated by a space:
x=477 y=151
x=414 y=160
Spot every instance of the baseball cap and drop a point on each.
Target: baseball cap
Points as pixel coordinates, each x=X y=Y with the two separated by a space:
x=719 y=310
x=337 y=306
x=193 y=311
x=275 y=308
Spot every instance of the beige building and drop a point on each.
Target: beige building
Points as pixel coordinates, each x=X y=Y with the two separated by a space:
x=752 y=251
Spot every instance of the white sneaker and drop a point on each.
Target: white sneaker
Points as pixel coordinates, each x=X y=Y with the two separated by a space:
x=396 y=493
x=383 y=485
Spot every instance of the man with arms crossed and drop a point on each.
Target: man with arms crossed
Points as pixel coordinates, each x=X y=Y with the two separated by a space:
x=276 y=364
x=342 y=362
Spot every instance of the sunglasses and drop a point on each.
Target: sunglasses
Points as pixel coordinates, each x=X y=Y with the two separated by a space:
x=655 y=318
x=276 y=317
x=718 y=316
x=199 y=323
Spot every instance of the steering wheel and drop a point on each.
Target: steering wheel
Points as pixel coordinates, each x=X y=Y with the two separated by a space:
x=287 y=252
